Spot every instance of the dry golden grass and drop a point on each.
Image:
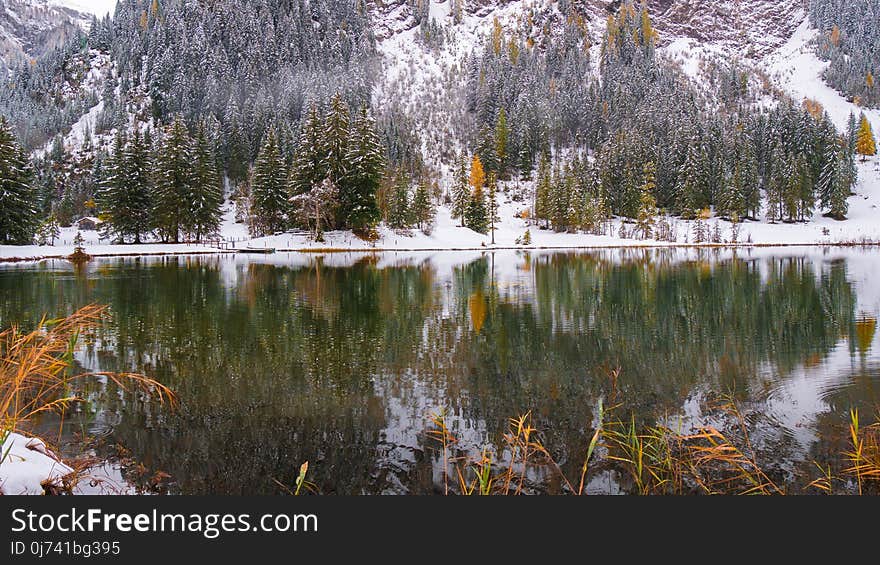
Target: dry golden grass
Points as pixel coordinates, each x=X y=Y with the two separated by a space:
x=523 y=450
x=864 y=457
x=36 y=369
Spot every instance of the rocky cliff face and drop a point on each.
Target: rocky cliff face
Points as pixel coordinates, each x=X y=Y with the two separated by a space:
x=753 y=26
x=31 y=28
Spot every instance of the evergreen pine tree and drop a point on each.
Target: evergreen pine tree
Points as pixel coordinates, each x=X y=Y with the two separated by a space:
x=827 y=179
x=140 y=189
x=502 y=137
x=461 y=193
x=174 y=182
x=486 y=149
x=238 y=155
x=268 y=189
x=689 y=194
x=398 y=209
x=309 y=168
x=839 y=175
x=126 y=190
x=112 y=192
x=741 y=194
x=477 y=216
x=365 y=163
x=647 y=202
x=525 y=162
x=18 y=198
x=48 y=231
x=543 y=189
x=422 y=207
x=559 y=200
x=806 y=192
x=843 y=181
x=336 y=136
x=492 y=204
x=208 y=190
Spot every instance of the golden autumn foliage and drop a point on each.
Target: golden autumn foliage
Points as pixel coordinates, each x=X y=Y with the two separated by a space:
x=36 y=365
x=814 y=108
x=478 y=175
x=648 y=31
x=497 y=36
x=866 y=146
x=513 y=51
x=477 y=308
x=866 y=328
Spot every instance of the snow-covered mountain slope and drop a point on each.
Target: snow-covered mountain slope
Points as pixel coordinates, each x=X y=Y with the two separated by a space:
x=99 y=8
x=419 y=75
x=30 y=28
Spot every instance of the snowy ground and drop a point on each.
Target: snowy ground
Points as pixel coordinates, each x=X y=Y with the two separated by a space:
x=25 y=463
x=97 y=246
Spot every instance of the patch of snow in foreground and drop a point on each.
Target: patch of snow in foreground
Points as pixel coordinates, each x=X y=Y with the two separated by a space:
x=27 y=463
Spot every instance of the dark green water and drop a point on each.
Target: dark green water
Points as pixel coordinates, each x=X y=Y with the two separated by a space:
x=341 y=360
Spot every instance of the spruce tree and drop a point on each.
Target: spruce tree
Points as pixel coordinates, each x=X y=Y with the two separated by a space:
x=477 y=216
x=208 y=191
x=689 y=193
x=486 y=149
x=309 y=168
x=422 y=207
x=399 y=213
x=647 y=202
x=502 y=137
x=828 y=176
x=140 y=190
x=461 y=193
x=838 y=178
x=841 y=189
x=336 y=137
x=543 y=189
x=559 y=200
x=18 y=197
x=126 y=192
x=269 y=196
x=365 y=164
x=48 y=231
x=744 y=192
x=112 y=192
x=492 y=204
x=525 y=163
x=174 y=182
x=238 y=155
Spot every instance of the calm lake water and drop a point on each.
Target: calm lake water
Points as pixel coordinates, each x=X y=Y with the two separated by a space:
x=340 y=360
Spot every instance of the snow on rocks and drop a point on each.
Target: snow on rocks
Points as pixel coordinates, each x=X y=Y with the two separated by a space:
x=27 y=465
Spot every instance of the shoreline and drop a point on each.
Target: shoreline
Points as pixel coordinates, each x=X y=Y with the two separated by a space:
x=369 y=250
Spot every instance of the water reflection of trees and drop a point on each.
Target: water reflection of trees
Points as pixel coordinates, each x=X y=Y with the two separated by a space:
x=285 y=364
